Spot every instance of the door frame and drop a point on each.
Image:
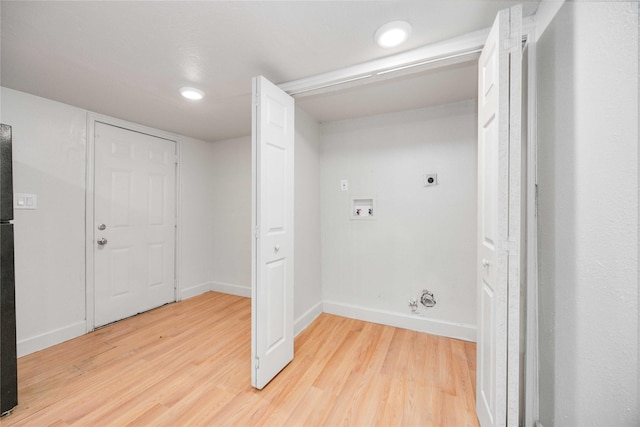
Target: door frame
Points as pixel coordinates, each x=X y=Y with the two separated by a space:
x=531 y=396
x=465 y=47
x=92 y=119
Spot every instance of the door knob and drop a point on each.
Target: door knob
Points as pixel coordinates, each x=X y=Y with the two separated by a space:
x=102 y=227
x=102 y=241
x=485 y=262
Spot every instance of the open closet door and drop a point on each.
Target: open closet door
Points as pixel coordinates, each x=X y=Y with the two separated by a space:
x=499 y=170
x=272 y=245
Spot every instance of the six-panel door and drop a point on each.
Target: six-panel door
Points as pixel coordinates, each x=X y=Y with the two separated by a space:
x=272 y=287
x=134 y=222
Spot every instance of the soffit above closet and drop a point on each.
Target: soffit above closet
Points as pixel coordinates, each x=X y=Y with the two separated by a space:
x=128 y=59
x=437 y=86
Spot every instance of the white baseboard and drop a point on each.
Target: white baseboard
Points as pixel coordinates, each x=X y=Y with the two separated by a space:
x=196 y=290
x=415 y=323
x=227 y=288
x=301 y=323
x=421 y=324
x=48 y=339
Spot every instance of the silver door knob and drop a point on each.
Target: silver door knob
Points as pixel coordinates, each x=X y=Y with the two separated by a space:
x=102 y=227
x=102 y=241
x=485 y=262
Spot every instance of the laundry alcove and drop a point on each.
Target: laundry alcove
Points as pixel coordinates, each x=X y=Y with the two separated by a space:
x=382 y=138
x=385 y=162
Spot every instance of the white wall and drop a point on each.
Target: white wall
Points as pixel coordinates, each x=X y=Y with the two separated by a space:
x=49 y=152
x=588 y=215
x=49 y=142
x=422 y=238
x=230 y=185
x=307 y=294
x=196 y=224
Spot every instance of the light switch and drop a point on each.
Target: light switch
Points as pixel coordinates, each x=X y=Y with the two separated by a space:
x=25 y=201
x=344 y=185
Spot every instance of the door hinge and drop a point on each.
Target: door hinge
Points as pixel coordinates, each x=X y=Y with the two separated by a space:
x=512 y=44
x=511 y=247
x=257 y=363
x=257 y=232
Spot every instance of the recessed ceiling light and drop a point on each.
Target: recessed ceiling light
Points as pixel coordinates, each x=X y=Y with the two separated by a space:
x=393 y=34
x=191 y=93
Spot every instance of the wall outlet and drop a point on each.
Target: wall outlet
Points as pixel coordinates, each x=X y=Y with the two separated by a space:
x=430 y=179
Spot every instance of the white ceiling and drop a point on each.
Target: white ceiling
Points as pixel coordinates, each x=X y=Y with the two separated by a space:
x=128 y=59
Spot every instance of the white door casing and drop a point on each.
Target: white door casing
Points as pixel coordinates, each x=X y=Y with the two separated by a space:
x=272 y=246
x=135 y=199
x=497 y=394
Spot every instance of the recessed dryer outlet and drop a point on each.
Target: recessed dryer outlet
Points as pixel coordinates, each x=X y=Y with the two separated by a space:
x=430 y=179
x=362 y=208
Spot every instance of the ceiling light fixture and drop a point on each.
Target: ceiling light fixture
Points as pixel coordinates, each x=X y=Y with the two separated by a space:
x=393 y=34
x=191 y=93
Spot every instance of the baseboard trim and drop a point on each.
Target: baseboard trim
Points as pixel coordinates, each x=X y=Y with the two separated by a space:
x=48 y=339
x=228 y=288
x=194 y=291
x=302 y=322
x=415 y=323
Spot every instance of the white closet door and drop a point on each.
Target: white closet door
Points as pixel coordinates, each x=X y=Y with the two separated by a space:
x=499 y=94
x=272 y=272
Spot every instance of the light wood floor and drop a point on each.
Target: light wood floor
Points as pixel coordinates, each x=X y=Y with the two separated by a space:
x=188 y=364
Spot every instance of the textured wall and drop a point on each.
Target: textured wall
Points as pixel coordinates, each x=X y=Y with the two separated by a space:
x=588 y=215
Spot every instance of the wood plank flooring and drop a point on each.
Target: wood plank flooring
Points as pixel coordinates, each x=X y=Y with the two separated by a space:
x=187 y=364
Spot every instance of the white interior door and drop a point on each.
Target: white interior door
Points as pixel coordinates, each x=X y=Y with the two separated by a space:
x=272 y=249
x=499 y=222
x=134 y=222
